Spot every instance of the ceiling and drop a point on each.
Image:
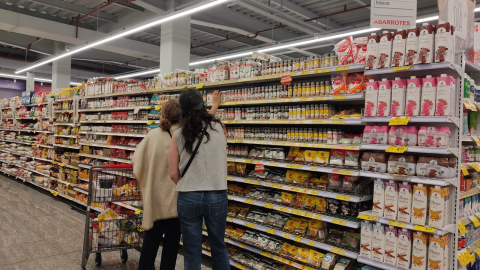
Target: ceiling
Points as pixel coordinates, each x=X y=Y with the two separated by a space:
x=235 y=26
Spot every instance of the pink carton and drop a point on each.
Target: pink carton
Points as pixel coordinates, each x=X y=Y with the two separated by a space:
x=371 y=98
x=429 y=95
x=414 y=93
x=398 y=48
x=399 y=90
x=384 y=97
x=445 y=95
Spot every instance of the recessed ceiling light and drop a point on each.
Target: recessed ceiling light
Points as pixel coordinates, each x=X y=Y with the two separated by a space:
x=20 y=6
x=8 y=3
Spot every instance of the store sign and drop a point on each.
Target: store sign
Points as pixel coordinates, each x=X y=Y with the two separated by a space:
x=458 y=16
x=30 y=82
x=393 y=14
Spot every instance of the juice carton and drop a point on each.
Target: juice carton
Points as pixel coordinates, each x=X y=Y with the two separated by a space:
x=414 y=93
x=411 y=47
x=372 y=52
x=366 y=239
x=398 y=48
x=404 y=202
x=429 y=95
x=385 y=50
x=435 y=253
x=391 y=200
x=399 y=90
x=390 y=245
x=384 y=97
x=436 y=211
x=404 y=248
x=419 y=251
x=378 y=197
x=425 y=43
x=446 y=249
x=419 y=204
x=371 y=98
x=445 y=95
x=444 y=42
x=378 y=242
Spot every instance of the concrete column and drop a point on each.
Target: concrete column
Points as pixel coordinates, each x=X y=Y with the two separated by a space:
x=175 y=45
x=61 y=69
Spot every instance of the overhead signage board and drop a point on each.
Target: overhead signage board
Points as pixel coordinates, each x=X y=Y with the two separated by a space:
x=393 y=14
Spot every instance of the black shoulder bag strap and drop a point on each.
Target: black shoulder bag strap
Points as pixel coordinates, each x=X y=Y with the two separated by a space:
x=195 y=151
x=169 y=133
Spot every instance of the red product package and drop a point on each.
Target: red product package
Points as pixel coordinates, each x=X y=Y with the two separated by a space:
x=339 y=84
x=361 y=54
x=344 y=51
x=355 y=83
x=360 y=41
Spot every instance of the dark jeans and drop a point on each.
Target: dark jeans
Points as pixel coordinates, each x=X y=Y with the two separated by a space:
x=193 y=208
x=171 y=242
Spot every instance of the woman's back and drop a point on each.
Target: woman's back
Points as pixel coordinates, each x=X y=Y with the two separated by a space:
x=208 y=170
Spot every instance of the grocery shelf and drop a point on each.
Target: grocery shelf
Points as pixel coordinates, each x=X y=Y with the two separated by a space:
x=115 y=121
x=473 y=246
x=113 y=134
x=299 y=239
x=467 y=220
x=31 y=118
x=81 y=190
x=126 y=205
x=43 y=145
x=299 y=122
x=232 y=262
x=297 y=166
x=411 y=179
x=66 y=146
x=413 y=149
x=342 y=98
x=450 y=228
x=20 y=142
x=469 y=193
x=294 y=211
x=65 y=182
x=325 y=194
x=285 y=143
x=471 y=67
x=63 y=111
x=413 y=119
x=378 y=264
x=44 y=159
x=63 y=124
x=61 y=100
x=106 y=158
x=65 y=136
x=439 y=67
x=83 y=179
x=116 y=109
x=109 y=146
x=32 y=170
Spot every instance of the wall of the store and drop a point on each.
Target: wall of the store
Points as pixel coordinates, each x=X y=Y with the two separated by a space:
x=9 y=93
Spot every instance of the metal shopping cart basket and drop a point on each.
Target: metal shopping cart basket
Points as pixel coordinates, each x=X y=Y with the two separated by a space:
x=111 y=230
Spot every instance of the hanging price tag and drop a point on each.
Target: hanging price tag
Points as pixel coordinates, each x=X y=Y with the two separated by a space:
x=339 y=222
x=461 y=228
x=337 y=250
x=200 y=86
x=396 y=149
x=475 y=221
x=250 y=225
x=464 y=169
x=399 y=121
x=475 y=166
x=366 y=217
x=423 y=229
x=343 y=198
x=270 y=231
x=158 y=108
x=54 y=192
x=339 y=97
x=342 y=68
x=138 y=211
x=286 y=79
x=401 y=68
x=477 y=140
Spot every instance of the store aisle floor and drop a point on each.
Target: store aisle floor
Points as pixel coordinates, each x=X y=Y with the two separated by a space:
x=39 y=231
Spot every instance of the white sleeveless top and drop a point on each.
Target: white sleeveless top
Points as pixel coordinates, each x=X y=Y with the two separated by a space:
x=208 y=170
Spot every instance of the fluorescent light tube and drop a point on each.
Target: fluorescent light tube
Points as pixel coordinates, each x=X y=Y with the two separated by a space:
x=427 y=19
x=137 y=74
x=36 y=79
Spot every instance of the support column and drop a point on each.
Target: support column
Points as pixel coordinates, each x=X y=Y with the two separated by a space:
x=61 y=69
x=175 y=45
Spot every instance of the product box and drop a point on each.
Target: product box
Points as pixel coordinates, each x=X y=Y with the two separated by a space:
x=414 y=94
x=444 y=42
x=384 y=97
x=372 y=52
x=399 y=91
x=419 y=204
x=426 y=39
x=391 y=200
x=371 y=98
x=436 y=208
x=398 y=48
x=445 y=98
x=390 y=245
x=385 y=50
x=419 y=251
x=366 y=239
x=404 y=248
x=435 y=253
x=378 y=242
x=411 y=47
x=446 y=251
x=429 y=95
x=378 y=197
x=404 y=202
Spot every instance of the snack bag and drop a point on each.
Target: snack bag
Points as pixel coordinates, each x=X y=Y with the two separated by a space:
x=315 y=258
x=300 y=201
x=344 y=51
x=339 y=84
x=322 y=157
x=321 y=205
x=291 y=224
x=310 y=202
x=292 y=154
x=355 y=83
x=310 y=156
x=288 y=198
x=291 y=176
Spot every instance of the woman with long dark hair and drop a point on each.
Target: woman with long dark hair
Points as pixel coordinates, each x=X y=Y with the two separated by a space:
x=198 y=165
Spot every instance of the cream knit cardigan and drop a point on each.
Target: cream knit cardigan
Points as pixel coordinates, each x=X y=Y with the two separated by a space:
x=150 y=168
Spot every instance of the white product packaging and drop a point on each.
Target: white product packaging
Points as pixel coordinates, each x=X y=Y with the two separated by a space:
x=399 y=91
x=411 y=47
x=435 y=253
x=436 y=217
x=445 y=98
x=391 y=200
x=419 y=204
x=398 y=48
x=390 y=245
x=366 y=239
x=404 y=202
x=429 y=95
x=378 y=197
x=372 y=52
x=426 y=39
x=414 y=94
x=378 y=242
x=384 y=50
x=384 y=97
x=371 y=98
x=419 y=251
x=404 y=248
x=444 y=42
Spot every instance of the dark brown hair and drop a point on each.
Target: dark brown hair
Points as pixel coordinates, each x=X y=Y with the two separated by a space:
x=171 y=114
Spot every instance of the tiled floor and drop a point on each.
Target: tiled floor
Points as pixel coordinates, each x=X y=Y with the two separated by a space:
x=39 y=231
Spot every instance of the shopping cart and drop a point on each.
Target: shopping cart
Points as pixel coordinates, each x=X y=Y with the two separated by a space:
x=111 y=230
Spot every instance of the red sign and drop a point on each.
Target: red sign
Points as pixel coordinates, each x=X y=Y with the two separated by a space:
x=286 y=79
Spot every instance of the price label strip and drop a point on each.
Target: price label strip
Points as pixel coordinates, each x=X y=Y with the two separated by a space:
x=399 y=121
x=367 y=217
x=396 y=149
x=475 y=221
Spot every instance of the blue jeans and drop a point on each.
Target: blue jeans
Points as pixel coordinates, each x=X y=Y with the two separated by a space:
x=193 y=208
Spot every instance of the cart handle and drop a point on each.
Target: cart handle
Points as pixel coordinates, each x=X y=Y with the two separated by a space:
x=117 y=166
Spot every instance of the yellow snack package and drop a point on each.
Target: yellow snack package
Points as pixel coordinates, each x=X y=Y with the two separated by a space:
x=310 y=156
x=302 y=254
x=288 y=198
x=292 y=251
x=321 y=205
x=291 y=224
x=291 y=176
x=302 y=227
x=310 y=202
x=322 y=157
x=292 y=154
x=315 y=258
x=300 y=201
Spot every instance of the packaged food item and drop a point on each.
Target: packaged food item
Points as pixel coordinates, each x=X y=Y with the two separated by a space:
x=243 y=212
x=319 y=183
x=398 y=48
x=378 y=198
x=384 y=50
x=378 y=242
x=276 y=220
x=404 y=202
x=384 y=97
x=292 y=154
x=310 y=156
x=444 y=42
x=329 y=261
x=371 y=98
x=351 y=158
x=411 y=47
x=315 y=258
x=425 y=43
x=315 y=229
x=445 y=95
x=233 y=210
x=302 y=227
x=344 y=51
x=419 y=251
x=435 y=252
x=355 y=83
x=334 y=182
x=288 y=198
x=291 y=225
x=302 y=254
x=333 y=206
x=399 y=91
x=366 y=239
x=437 y=207
x=241 y=168
x=404 y=248
x=391 y=200
x=429 y=95
x=300 y=201
x=321 y=205
x=310 y=202
x=337 y=157
x=391 y=237
x=401 y=165
x=351 y=240
x=375 y=135
x=397 y=135
x=343 y=264
x=323 y=157
x=414 y=94
x=345 y=209
x=374 y=162
x=334 y=237
x=372 y=52
x=339 y=84
x=419 y=204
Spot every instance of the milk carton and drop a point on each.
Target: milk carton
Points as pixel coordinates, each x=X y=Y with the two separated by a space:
x=385 y=50
x=414 y=94
x=378 y=242
x=429 y=95
x=390 y=245
x=378 y=198
x=372 y=52
x=436 y=211
x=446 y=260
x=411 y=47
x=398 y=48
x=419 y=204
x=366 y=239
x=399 y=91
x=404 y=249
x=444 y=42
x=384 y=97
x=425 y=43
x=391 y=200
x=445 y=98
x=404 y=202
x=435 y=253
x=419 y=251
x=371 y=98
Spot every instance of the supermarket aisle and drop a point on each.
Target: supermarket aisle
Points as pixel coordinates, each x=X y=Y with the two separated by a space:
x=38 y=231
